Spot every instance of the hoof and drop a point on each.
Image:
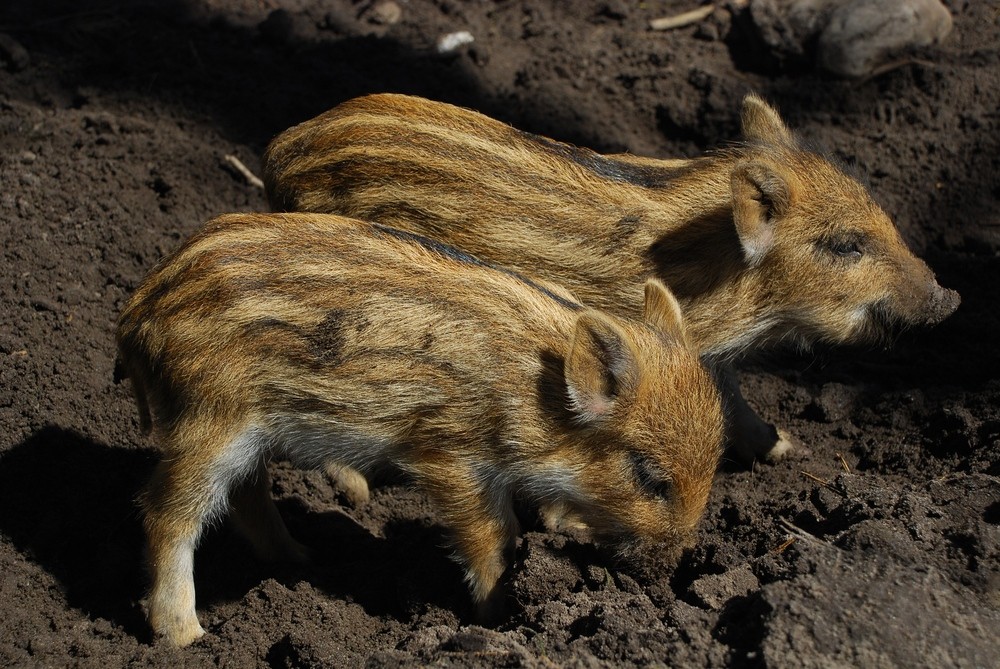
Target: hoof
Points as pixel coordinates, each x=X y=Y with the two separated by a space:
x=178 y=633
x=351 y=482
x=493 y=610
x=781 y=449
x=294 y=553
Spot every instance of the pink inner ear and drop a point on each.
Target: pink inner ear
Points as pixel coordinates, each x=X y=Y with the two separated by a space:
x=598 y=406
x=588 y=405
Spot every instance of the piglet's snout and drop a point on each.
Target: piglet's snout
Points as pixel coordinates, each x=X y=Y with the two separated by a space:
x=942 y=303
x=920 y=299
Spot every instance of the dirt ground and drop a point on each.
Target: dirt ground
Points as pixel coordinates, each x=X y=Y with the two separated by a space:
x=877 y=546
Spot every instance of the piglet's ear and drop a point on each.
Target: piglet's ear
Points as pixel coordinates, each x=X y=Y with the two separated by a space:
x=662 y=311
x=760 y=122
x=761 y=195
x=599 y=366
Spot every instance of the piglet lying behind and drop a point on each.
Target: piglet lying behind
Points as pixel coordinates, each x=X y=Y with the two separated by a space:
x=326 y=339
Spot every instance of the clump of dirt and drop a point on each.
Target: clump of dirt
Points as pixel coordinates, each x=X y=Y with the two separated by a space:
x=877 y=545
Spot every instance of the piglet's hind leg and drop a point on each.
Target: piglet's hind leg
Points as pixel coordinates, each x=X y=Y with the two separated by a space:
x=748 y=435
x=258 y=519
x=189 y=487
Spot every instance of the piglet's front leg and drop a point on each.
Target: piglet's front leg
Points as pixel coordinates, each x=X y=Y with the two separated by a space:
x=484 y=530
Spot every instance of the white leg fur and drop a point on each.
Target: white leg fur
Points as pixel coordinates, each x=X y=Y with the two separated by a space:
x=171 y=603
x=558 y=516
x=183 y=496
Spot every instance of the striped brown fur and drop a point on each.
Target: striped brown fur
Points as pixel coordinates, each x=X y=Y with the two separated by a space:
x=762 y=243
x=332 y=340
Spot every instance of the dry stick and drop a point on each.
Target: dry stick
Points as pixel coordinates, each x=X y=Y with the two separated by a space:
x=251 y=178
x=895 y=65
x=784 y=546
x=823 y=482
x=815 y=478
x=798 y=533
x=681 y=20
x=843 y=463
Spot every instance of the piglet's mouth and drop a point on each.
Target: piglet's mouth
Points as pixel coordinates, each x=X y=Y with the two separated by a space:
x=882 y=326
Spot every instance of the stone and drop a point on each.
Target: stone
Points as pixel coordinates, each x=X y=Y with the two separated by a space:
x=863 y=35
x=384 y=13
x=851 y=38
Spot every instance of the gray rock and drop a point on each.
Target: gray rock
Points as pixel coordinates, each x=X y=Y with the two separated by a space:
x=786 y=26
x=385 y=13
x=863 y=35
x=850 y=38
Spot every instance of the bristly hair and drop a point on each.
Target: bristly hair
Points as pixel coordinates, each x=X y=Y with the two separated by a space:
x=458 y=255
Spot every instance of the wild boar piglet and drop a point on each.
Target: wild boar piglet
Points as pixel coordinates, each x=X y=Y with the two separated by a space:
x=762 y=243
x=328 y=340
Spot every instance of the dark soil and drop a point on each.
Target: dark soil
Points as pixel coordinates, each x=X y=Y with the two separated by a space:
x=877 y=546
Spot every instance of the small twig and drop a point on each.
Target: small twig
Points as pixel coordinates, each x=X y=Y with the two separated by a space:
x=784 y=546
x=822 y=482
x=681 y=20
x=843 y=463
x=75 y=16
x=798 y=533
x=194 y=53
x=251 y=178
x=895 y=65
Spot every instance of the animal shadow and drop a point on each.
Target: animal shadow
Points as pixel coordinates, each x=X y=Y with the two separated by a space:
x=69 y=503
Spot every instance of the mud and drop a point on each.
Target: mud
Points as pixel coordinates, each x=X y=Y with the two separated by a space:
x=878 y=545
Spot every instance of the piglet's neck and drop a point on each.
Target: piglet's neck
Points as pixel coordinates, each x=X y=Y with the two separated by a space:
x=694 y=248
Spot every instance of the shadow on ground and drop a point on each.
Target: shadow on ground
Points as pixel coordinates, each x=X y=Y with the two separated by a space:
x=69 y=504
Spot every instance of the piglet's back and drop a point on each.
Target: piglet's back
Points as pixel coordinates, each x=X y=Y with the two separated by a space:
x=250 y=301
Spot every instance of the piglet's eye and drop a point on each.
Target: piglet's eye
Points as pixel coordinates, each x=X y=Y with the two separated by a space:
x=651 y=477
x=845 y=247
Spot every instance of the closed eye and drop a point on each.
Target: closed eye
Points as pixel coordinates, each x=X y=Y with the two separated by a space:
x=651 y=477
x=845 y=246
x=846 y=249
